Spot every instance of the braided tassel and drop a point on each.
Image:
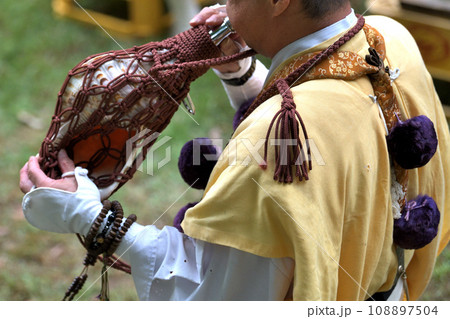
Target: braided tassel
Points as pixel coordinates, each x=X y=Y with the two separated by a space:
x=289 y=150
x=287 y=121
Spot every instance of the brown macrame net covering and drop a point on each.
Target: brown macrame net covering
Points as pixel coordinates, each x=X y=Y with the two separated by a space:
x=112 y=103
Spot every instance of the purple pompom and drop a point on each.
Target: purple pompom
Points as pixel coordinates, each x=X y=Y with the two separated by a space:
x=197 y=160
x=413 y=143
x=418 y=224
x=180 y=216
x=240 y=113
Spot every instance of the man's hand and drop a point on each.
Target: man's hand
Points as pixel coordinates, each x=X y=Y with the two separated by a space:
x=68 y=205
x=213 y=17
x=32 y=175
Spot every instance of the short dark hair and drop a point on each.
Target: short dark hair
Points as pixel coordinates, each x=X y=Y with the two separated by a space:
x=320 y=8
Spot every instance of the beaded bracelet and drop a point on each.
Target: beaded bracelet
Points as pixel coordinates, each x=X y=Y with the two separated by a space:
x=122 y=231
x=97 y=223
x=243 y=79
x=104 y=242
x=117 y=212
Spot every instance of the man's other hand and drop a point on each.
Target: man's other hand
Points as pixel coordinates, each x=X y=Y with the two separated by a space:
x=213 y=17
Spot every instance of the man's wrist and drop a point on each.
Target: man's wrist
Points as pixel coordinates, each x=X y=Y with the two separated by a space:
x=248 y=90
x=61 y=211
x=244 y=67
x=238 y=81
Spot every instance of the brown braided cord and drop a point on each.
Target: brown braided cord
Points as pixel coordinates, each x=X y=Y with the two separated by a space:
x=296 y=76
x=101 y=245
x=288 y=120
x=121 y=98
x=342 y=65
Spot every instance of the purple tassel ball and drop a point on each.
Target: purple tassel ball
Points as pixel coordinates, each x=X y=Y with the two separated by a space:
x=418 y=224
x=197 y=160
x=180 y=216
x=239 y=115
x=413 y=143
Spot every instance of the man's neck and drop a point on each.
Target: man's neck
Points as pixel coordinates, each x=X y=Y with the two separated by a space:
x=312 y=40
x=285 y=34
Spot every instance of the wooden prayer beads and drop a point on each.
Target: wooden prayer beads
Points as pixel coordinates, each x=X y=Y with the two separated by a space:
x=122 y=231
x=98 y=222
x=104 y=242
x=75 y=287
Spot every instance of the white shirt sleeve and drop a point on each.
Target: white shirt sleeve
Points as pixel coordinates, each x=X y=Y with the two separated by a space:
x=165 y=264
x=238 y=95
x=168 y=265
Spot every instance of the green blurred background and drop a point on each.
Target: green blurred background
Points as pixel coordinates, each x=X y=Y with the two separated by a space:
x=37 y=50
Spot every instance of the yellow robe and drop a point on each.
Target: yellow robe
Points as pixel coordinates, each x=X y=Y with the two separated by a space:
x=338 y=225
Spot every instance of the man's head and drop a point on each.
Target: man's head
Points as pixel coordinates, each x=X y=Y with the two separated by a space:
x=269 y=25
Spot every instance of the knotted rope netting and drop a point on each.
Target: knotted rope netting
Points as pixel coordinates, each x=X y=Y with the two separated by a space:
x=112 y=103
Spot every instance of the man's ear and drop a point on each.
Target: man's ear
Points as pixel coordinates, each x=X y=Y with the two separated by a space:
x=280 y=6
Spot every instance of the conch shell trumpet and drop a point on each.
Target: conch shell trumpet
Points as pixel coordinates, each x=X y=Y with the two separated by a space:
x=112 y=104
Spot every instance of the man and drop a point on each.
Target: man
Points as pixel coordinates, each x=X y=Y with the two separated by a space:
x=252 y=238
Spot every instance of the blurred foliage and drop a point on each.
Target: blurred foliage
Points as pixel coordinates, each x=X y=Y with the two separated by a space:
x=116 y=8
x=360 y=6
x=36 y=52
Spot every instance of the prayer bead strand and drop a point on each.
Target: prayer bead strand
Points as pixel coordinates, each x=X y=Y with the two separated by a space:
x=103 y=242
